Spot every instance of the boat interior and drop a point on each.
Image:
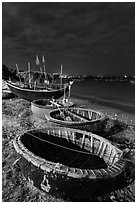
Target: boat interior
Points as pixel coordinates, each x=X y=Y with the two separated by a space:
x=70 y=148
x=42 y=102
x=75 y=114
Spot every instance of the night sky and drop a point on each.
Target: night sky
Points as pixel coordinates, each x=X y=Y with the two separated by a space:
x=86 y=38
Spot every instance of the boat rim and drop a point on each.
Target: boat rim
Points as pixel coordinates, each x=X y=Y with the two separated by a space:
x=77 y=122
x=63 y=169
x=33 y=103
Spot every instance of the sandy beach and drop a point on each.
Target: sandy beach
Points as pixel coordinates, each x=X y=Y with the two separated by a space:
x=18 y=118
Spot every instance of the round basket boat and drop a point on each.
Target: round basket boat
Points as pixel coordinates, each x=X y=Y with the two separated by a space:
x=42 y=107
x=79 y=118
x=70 y=163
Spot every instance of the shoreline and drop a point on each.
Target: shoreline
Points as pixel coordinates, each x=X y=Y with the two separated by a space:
x=114 y=112
x=128 y=108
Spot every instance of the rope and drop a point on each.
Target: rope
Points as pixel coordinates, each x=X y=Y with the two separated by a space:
x=61 y=112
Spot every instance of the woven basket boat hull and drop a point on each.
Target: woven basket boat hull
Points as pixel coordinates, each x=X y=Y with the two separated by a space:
x=31 y=95
x=81 y=118
x=70 y=163
x=42 y=107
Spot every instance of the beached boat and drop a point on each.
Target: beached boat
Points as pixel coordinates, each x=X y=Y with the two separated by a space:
x=81 y=118
x=7 y=94
x=34 y=85
x=42 y=107
x=70 y=163
x=4 y=85
x=30 y=94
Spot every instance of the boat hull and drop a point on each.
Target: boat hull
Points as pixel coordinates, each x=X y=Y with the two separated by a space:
x=69 y=188
x=42 y=107
x=6 y=94
x=66 y=181
x=95 y=124
x=31 y=95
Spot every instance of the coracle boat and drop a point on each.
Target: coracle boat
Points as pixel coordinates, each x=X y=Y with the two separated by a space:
x=49 y=91
x=79 y=118
x=42 y=107
x=70 y=163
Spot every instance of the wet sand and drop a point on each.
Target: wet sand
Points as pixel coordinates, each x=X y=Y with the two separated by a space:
x=18 y=118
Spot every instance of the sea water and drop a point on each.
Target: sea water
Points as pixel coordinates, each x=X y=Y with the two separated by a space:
x=116 y=94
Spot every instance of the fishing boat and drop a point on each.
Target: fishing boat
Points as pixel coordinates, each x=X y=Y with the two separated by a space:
x=35 y=85
x=30 y=94
x=4 y=85
x=76 y=117
x=70 y=163
x=7 y=94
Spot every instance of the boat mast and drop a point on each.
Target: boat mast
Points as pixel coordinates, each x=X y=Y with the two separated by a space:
x=44 y=66
x=61 y=74
x=37 y=60
x=18 y=73
x=69 y=91
x=43 y=60
x=29 y=74
x=64 y=92
x=70 y=83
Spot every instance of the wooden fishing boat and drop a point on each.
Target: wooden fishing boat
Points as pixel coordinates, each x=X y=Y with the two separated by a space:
x=7 y=94
x=70 y=163
x=42 y=107
x=81 y=118
x=49 y=91
x=4 y=85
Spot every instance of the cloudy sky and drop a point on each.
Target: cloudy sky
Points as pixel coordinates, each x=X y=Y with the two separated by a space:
x=87 y=38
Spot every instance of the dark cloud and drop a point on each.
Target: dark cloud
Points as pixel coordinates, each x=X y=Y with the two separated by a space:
x=81 y=35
